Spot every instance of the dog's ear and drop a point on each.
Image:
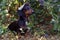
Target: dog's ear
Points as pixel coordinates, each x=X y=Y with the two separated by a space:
x=21 y=7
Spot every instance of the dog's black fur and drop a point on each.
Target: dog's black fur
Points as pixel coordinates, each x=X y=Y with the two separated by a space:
x=15 y=27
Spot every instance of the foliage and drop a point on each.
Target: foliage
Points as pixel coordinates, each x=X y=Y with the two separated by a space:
x=8 y=12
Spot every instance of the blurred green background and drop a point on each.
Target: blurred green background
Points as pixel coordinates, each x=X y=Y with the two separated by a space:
x=8 y=13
